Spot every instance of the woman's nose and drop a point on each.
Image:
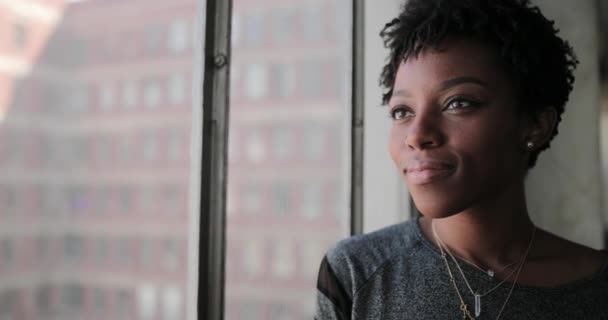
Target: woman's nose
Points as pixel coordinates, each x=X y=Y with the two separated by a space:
x=424 y=133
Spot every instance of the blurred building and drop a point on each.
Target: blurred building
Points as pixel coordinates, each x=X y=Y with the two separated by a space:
x=95 y=162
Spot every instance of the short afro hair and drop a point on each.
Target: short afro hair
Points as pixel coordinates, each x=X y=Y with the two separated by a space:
x=536 y=58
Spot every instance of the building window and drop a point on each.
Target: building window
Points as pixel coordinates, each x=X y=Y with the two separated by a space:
x=314 y=144
x=283 y=80
x=8 y=251
x=106 y=96
x=254 y=29
x=282 y=25
x=123 y=250
x=129 y=94
x=8 y=304
x=152 y=94
x=150 y=146
x=252 y=257
x=178 y=36
x=311 y=253
x=312 y=23
x=255 y=150
x=99 y=300
x=311 y=200
x=20 y=36
x=256 y=81
x=146 y=302
x=177 y=89
x=124 y=303
x=235 y=35
x=281 y=199
x=252 y=199
x=73 y=248
x=172 y=304
x=146 y=252
x=170 y=254
x=279 y=311
x=152 y=38
x=101 y=250
x=71 y=298
x=283 y=263
x=311 y=79
x=283 y=140
x=43 y=303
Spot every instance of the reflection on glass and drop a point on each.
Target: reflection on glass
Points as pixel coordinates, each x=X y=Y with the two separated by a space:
x=289 y=136
x=95 y=124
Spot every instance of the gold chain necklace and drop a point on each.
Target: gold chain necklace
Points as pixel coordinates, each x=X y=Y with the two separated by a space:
x=463 y=306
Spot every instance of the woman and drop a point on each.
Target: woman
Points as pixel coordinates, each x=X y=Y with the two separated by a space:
x=475 y=91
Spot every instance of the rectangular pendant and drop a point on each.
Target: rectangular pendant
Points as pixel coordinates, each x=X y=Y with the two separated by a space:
x=477 y=305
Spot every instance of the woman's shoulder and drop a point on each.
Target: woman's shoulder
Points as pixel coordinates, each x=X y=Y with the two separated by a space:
x=355 y=259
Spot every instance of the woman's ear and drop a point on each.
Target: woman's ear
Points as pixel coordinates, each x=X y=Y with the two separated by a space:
x=540 y=128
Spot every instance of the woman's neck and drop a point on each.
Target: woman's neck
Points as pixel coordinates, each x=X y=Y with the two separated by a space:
x=490 y=235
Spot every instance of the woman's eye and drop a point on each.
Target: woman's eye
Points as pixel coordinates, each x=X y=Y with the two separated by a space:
x=399 y=113
x=457 y=104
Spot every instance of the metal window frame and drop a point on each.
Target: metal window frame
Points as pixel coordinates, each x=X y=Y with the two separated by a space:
x=214 y=169
x=357 y=118
x=216 y=107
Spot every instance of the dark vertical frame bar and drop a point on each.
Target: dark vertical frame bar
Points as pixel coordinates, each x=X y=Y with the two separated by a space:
x=214 y=160
x=357 y=123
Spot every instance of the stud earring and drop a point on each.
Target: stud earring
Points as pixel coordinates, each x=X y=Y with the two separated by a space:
x=530 y=145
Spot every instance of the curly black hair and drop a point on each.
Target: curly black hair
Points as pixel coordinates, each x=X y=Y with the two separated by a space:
x=540 y=63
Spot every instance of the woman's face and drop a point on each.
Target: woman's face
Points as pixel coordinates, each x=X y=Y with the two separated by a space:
x=456 y=135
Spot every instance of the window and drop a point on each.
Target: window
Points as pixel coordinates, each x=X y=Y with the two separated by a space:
x=43 y=295
x=311 y=200
x=150 y=146
x=255 y=150
x=101 y=250
x=147 y=252
x=152 y=38
x=8 y=252
x=8 y=303
x=314 y=142
x=73 y=248
x=72 y=298
x=279 y=312
x=178 y=36
x=283 y=142
x=282 y=25
x=106 y=96
x=312 y=23
x=124 y=303
x=20 y=36
x=129 y=94
x=170 y=254
x=177 y=89
x=152 y=94
x=311 y=79
x=281 y=199
x=252 y=199
x=253 y=29
x=283 y=260
x=99 y=300
x=123 y=250
x=172 y=303
x=146 y=301
x=252 y=259
x=256 y=80
x=283 y=80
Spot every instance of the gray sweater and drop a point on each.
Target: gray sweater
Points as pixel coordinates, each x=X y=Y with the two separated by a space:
x=396 y=273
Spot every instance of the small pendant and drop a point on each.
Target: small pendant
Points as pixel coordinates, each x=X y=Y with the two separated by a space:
x=491 y=273
x=477 y=305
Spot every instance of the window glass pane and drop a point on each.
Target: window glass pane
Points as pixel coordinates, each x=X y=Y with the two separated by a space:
x=96 y=122
x=289 y=143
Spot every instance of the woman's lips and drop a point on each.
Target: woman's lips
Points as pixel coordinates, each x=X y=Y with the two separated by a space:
x=424 y=172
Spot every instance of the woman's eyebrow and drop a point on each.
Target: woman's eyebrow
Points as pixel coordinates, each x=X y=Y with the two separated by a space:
x=460 y=80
